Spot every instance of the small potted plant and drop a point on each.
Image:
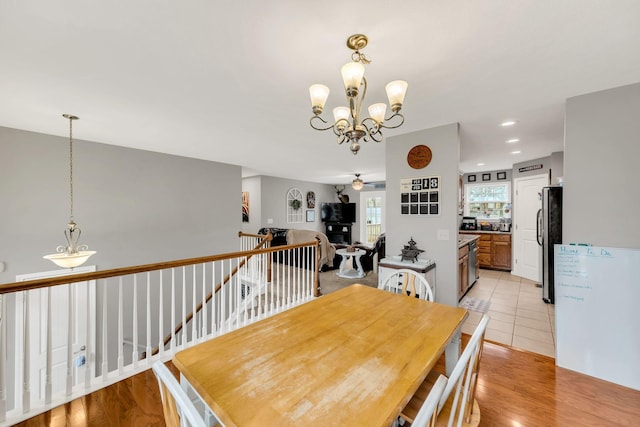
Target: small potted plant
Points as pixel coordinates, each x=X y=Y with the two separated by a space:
x=296 y=204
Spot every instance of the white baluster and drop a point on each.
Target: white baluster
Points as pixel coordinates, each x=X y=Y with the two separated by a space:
x=105 y=329
x=194 y=322
x=135 y=322
x=120 y=327
x=223 y=302
x=3 y=358
x=183 y=331
x=173 y=310
x=26 y=387
x=204 y=302
x=148 y=349
x=161 y=316
x=90 y=322
x=47 y=375
x=214 y=322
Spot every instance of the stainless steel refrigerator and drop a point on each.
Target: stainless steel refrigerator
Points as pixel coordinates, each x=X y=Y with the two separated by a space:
x=549 y=230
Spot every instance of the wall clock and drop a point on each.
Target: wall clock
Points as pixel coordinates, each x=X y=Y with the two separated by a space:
x=419 y=156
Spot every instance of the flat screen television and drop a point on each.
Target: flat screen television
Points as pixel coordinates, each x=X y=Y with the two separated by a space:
x=338 y=212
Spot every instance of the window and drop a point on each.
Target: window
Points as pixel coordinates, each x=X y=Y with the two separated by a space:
x=373 y=219
x=487 y=200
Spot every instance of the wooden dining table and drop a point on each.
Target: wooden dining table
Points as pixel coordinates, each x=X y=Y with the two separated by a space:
x=353 y=357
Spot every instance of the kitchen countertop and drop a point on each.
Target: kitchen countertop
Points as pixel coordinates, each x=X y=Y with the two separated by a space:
x=482 y=232
x=466 y=238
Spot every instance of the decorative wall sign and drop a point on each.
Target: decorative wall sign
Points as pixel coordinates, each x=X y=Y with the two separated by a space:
x=530 y=168
x=419 y=157
x=311 y=199
x=420 y=195
x=471 y=178
x=486 y=177
x=502 y=175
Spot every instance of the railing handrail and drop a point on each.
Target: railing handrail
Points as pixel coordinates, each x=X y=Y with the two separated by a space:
x=96 y=275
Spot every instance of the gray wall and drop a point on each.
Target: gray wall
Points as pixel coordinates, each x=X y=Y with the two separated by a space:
x=134 y=207
x=602 y=148
x=444 y=142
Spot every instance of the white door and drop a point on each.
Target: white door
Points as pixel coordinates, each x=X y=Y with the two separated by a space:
x=526 y=251
x=81 y=293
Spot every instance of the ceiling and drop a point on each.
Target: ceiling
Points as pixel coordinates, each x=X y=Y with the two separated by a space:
x=228 y=80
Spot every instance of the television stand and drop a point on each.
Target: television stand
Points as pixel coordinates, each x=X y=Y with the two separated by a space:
x=338 y=232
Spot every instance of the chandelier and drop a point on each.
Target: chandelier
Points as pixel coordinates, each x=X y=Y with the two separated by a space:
x=357 y=183
x=347 y=124
x=72 y=255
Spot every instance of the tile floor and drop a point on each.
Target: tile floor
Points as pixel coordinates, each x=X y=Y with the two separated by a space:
x=519 y=317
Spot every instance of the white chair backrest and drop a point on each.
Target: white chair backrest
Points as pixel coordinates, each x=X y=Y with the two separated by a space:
x=175 y=402
x=462 y=375
x=427 y=414
x=408 y=282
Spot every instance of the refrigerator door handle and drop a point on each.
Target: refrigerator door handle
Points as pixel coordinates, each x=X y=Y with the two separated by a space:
x=539 y=236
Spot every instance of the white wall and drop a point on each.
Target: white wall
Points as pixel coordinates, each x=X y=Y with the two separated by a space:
x=602 y=148
x=444 y=142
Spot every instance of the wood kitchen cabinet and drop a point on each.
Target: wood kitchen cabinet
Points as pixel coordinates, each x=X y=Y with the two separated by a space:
x=494 y=250
x=463 y=270
x=501 y=252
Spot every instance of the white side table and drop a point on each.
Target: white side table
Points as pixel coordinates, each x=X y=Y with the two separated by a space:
x=351 y=273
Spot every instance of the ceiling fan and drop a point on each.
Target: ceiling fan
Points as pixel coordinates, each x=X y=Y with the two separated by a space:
x=358 y=184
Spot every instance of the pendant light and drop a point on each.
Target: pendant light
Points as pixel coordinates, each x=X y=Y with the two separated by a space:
x=72 y=255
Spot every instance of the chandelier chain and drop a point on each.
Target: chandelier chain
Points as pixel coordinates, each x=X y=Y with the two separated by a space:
x=71 y=169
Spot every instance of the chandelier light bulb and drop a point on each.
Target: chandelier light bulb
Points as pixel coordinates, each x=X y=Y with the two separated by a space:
x=341 y=116
x=396 y=91
x=319 y=94
x=352 y=74
x=377 y=112
x=357 y=183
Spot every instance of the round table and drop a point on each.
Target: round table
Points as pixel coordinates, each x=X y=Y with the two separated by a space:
x=351 y=273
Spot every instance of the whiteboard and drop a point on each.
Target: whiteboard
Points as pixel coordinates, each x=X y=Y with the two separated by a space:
x=597 y=308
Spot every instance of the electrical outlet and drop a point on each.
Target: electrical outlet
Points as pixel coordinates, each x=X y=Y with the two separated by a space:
x=443 y=234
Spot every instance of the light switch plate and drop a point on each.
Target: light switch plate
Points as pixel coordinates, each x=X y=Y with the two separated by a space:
x=270 y=221
x=443 y=234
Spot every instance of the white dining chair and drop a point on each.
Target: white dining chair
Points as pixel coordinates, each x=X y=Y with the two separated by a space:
x=428 y=413
x=408 y=282
x=177 y=408
x=457 y=405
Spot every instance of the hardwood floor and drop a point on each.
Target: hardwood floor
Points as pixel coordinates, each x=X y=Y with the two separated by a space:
x=515 y=388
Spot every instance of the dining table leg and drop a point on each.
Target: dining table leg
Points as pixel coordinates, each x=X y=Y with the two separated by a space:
x=452 y=352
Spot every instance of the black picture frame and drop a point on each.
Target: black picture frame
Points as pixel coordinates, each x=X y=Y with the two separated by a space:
x=486 y=177
x=471 y=178
x=501 y=175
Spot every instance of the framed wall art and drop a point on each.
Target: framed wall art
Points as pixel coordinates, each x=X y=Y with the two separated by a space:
x=471 y=178
x=420 y=196
x=311 y=216
x=486 y=177
x=502 y=175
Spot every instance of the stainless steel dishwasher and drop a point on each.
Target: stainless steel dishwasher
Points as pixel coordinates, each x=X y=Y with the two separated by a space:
x=473 y=253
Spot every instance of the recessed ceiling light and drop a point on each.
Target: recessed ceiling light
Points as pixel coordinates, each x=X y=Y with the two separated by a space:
x=512 y=140
x=508 y=123
x=515 y=152
x=480 y=164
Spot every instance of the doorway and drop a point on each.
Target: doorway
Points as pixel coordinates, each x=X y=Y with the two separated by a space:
x=526 y=251
x=372 y=213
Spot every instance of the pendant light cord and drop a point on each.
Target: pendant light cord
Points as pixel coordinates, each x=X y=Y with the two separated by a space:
x=71 y=169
